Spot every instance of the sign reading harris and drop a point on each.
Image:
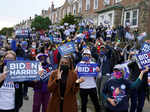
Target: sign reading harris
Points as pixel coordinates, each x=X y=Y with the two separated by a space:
x=145 y=47
x=67 y=48
x=19 y=71
x=88 y=70
x=143 y=59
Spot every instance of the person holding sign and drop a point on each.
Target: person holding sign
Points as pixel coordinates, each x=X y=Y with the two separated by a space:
x=41 y=93
x=10 y=92
x=63 y=85
x=116 y=90
x=88 y=87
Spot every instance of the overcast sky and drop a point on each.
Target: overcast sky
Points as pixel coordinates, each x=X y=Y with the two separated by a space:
x=14 y=11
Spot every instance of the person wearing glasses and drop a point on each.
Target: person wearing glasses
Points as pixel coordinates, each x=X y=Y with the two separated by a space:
x=63 y=85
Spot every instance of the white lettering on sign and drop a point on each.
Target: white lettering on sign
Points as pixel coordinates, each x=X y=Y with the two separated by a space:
x=23 y=72
x=146 y=48
x=34 y=65
x=83 y=69
x=143 y=57
x=23 y=66
x=144 y=62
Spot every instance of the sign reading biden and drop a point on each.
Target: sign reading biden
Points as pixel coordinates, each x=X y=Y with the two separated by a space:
x=67 y=48
x=145 y=47
x=143 y=59
x=19 y=71
x=88 y=70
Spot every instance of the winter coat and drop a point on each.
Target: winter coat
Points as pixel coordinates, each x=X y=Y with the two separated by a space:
x=70 y=100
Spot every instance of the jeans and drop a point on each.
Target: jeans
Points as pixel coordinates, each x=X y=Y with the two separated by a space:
x=25 y=90
x=84 y=99
x=137 y=100
x=107 y=110
x=7 y=110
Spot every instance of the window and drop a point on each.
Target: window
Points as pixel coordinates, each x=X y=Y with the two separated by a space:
x=95 y=4
x=131 y=17
x=117 y=1
x=134 y=19
x=107 y=18
x=74 y=9
x=80 y=6
x=68 y=10
x=102 y=19
x=106 y=2
x=110 y=17
x=87 y=4
x=64 y=13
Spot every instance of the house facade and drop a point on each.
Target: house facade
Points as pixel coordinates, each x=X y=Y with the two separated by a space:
x=112 y=12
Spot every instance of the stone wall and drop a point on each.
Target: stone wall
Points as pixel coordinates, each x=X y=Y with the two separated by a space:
x=144 y=16
x=118 y=17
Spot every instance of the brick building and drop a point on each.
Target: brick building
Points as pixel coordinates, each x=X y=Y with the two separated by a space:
x=114 y=12
x=135 y=12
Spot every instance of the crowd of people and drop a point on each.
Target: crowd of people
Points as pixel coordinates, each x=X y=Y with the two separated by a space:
x=111 y=50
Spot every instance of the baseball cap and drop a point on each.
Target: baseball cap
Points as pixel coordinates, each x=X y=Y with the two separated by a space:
x=87 y=51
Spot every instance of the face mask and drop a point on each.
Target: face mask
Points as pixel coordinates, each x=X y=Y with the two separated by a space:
x=33 y=46
x=64 y=68
x=85 y=58
x=84 y=46
x=53 y=49
x=117 y=75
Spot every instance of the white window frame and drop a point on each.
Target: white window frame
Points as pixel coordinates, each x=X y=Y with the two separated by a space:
x=95 y=5
x=88 y=3
x=131 y=18
x=68 y=10
x=80 y=6
x=106 y=16
x=64 y=13
x=106 y=2
x=74 y=9
x=117 y=1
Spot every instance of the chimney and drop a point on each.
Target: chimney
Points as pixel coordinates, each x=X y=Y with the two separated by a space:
x=52 y=6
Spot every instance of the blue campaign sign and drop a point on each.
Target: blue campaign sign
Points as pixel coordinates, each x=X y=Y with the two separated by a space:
x=46 y=73
x=67 y=48
x=88 y=70
x=143 y=59
x=145 y=47
x=19 y=71
x=57 y=40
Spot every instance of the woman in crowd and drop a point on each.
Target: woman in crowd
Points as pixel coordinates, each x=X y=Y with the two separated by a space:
x=41 y=93
x=116 y=91
x=63 y=86
x=11 y=95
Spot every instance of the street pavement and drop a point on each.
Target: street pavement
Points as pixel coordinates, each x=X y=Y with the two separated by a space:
x=27 y=105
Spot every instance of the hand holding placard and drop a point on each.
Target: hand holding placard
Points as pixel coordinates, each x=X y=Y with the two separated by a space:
x=143 y=71
x=59 y=74
x=80 y=80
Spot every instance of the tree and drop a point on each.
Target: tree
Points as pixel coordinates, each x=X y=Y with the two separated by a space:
x=7 y=31
x=40 y=23
x=71 y=19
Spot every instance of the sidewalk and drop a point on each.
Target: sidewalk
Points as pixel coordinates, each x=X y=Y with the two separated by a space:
x=27 y=107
